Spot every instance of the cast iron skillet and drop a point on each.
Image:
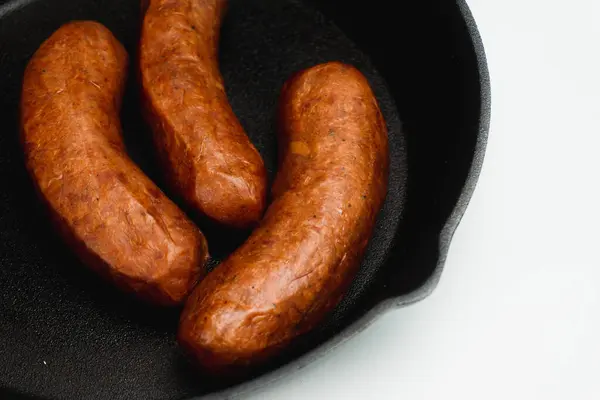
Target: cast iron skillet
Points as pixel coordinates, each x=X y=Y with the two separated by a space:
x=66 y=334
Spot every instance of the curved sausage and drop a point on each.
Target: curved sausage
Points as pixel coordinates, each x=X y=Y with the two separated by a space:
x=114 y=217
x=208 y=158
x=298 y=263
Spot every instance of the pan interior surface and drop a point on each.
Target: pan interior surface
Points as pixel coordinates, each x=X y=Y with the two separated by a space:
x=66 y=334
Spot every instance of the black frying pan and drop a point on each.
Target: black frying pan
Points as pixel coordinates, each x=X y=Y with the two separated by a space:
x=66 y=334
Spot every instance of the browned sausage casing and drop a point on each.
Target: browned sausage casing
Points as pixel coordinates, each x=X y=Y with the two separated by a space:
x=208 y=158
x=112 y=215
x=297 y=265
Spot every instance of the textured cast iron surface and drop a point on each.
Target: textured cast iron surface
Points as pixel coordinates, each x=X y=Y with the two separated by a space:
x=65 y=334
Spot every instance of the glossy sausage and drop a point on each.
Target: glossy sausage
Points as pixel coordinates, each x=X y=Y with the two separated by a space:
x=208 y=159
x=114 y=217
x=297 y=265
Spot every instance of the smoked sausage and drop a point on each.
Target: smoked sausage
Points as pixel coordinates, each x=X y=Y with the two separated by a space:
x=208 y=159
x=116 y=220
x=298 y=263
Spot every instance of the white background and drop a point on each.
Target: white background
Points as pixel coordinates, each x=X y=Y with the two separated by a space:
x=517 y=312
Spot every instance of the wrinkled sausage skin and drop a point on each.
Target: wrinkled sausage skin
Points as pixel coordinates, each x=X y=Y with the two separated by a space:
x=298 y=263
x=207 y=157
x=112 y=215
